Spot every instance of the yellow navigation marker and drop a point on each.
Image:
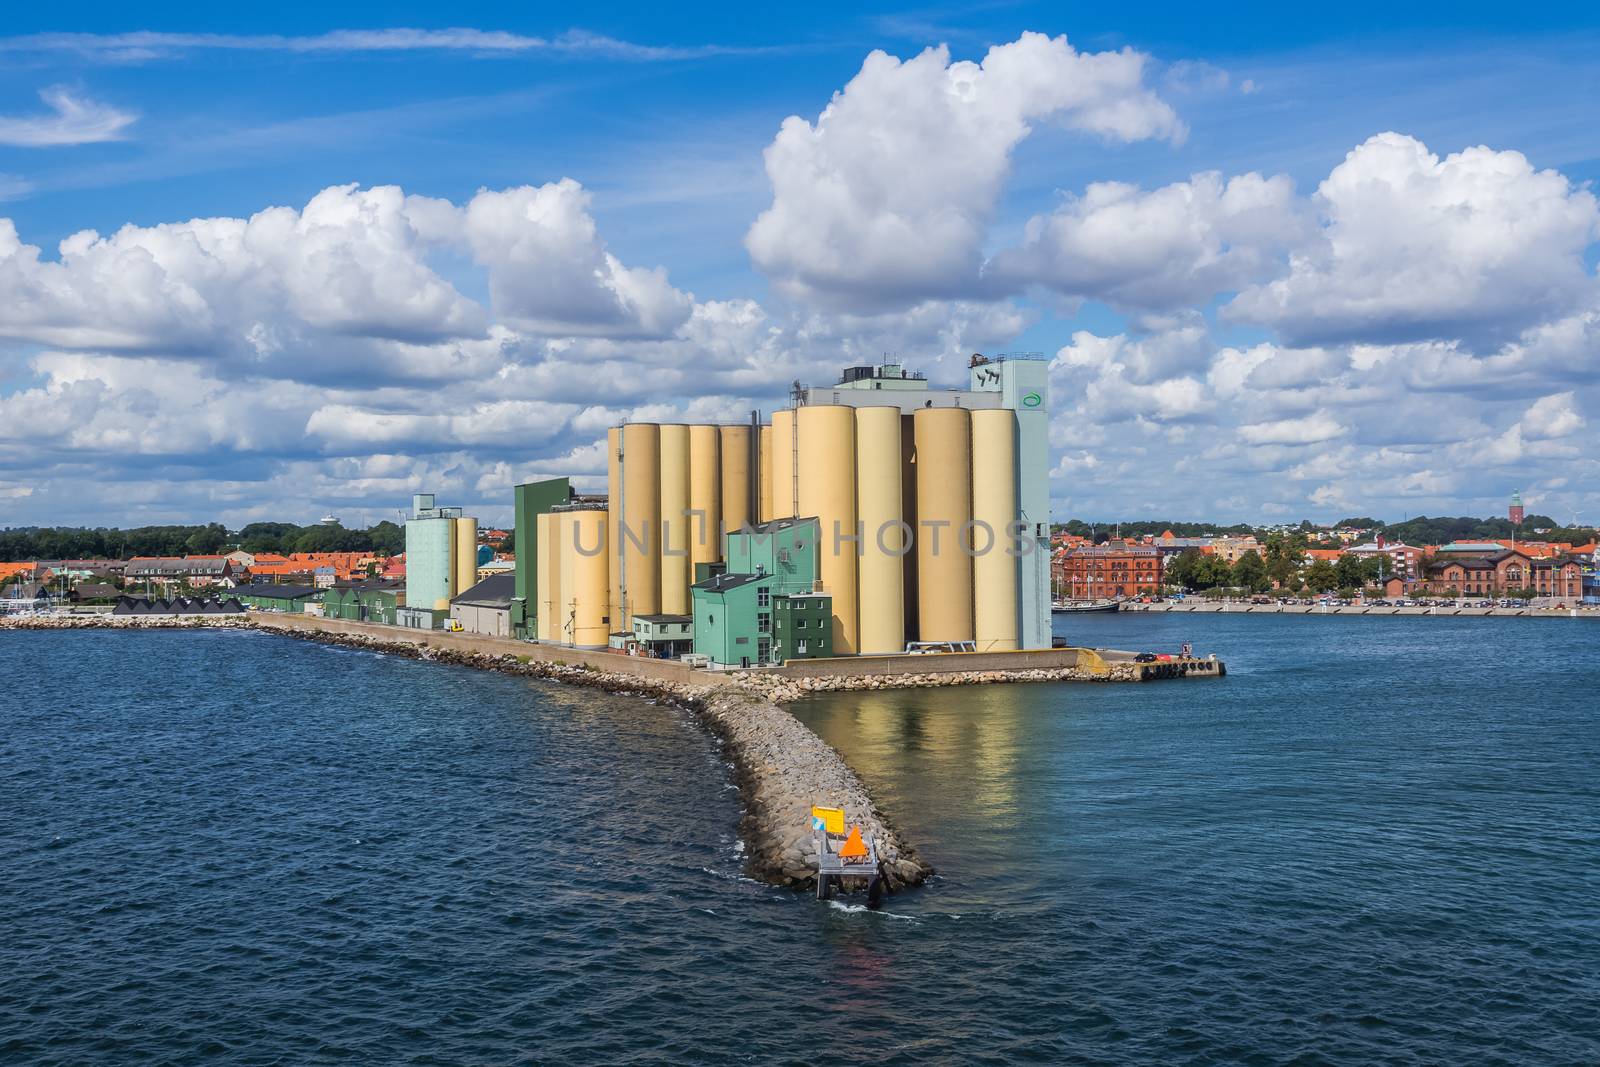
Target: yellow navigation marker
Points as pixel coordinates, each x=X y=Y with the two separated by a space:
x=827 y=820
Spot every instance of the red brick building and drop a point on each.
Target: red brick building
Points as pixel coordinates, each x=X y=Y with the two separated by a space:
x=1506 y=573
x=1096 y=571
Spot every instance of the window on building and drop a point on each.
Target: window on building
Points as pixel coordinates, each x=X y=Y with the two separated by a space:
x=800 y=624
x=764 y=622
x=763 y=597
x=800 y=646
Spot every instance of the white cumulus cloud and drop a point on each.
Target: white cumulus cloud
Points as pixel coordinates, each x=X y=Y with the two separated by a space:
x=1476 y=245
x=885 y=199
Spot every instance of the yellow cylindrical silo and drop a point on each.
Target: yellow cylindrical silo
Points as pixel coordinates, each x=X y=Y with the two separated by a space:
x=908 y=509
x=994 y=509
x=589 y=567
x=784 y=503
x=566 y=578
x=827 y=459
x=464 y=554
x=944 y=507
x=883 y=537
x=676 y=529
x=736 y=503
x=548 y=572
x=640 y=521
x=613 y=534
x=705 y=495
x=764 y=493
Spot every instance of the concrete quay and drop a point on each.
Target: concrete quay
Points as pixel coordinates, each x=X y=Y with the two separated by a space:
x=1203 y=607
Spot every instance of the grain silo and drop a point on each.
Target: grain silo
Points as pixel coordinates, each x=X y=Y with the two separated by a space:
x=587 y=546
x=549 y=576
x=944 y=507
x=785 y=497
x=566 y=578
x=705 y=495
x=883 y=534
x=613 y=534
x=676 y=527
x=827 y=459
x=464 y=554
x=736 y=502
x=640 y=522
x=764 y=465
x=994 y=509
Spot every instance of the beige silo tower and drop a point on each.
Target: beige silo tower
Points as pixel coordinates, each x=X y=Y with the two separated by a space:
x=827 y=458
x=586 y=543
x=785 y=497
x=883 y=535
x=994 y=509
x=908 y=509
x=676 y=528
x=613 y=534
x=640 y=522
x=736 y=502
x=705 y=495
x=764 y=495
x=548 y=566
x=944 y=507
x=464 y=554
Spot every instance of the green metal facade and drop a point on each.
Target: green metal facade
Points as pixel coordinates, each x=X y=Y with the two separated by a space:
x=530 y=500
x=783 y=548
x=361 y=605
x=727 y=621
x=428 y=561
x=802 y=627
x=268 y=602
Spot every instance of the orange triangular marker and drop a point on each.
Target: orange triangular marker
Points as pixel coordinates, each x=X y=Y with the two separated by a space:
x=853 y=848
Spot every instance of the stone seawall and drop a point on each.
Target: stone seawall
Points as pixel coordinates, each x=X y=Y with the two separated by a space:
x=780 y=766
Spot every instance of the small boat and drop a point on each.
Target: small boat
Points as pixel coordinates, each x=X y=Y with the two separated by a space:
x=1067 y=607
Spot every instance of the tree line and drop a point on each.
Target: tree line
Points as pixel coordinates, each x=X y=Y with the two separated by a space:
x=64 y=542
x=1280 y=564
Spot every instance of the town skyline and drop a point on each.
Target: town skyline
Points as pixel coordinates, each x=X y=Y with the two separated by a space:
x=1278 y=273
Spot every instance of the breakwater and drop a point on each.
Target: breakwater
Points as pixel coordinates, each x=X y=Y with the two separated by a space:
x=1202 y=607
x=780 y=767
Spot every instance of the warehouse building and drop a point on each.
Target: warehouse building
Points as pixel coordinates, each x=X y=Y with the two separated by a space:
x=375 y=600
x=441 y=554
x=285 y=598
x=486 y=607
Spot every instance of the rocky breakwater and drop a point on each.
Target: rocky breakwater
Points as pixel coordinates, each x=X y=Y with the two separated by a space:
x=782 y=769
x=125 y=622
x=781 y=690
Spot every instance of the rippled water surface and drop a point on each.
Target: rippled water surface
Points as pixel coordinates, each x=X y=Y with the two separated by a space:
x=1375 y=841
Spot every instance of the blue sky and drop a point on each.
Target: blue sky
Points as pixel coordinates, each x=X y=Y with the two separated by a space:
x=662 y=116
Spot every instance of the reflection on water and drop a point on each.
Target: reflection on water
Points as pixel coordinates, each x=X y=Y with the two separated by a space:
x=1339 y=853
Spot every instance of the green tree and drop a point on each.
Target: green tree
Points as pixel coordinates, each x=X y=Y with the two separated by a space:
x=1250 y=572
x=1322 y=576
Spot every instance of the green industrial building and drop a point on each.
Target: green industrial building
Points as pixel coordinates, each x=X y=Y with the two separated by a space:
x=764 y=608
x=666 y=636
x=529 y=501
x=802 y=626
x=286 y=598
x=371 y=601
x=733 y=619
x=783 y=548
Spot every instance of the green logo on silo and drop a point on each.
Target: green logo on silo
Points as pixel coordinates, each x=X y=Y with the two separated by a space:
x=1031 y=400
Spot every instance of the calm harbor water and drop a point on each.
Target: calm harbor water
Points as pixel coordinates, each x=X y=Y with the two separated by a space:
x=1376 y=841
